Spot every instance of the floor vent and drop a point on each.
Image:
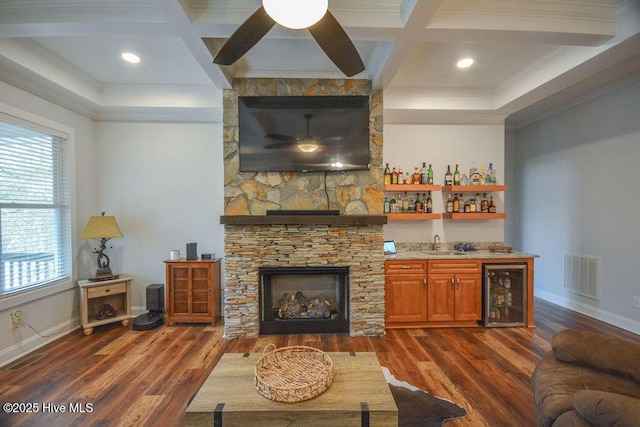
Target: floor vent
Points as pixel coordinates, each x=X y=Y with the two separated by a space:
x=26 y=362
x=582 y=275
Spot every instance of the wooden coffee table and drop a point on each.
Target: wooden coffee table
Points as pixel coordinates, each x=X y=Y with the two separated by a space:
x=359 y=396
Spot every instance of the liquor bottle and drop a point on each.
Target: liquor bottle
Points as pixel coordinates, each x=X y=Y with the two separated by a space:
x=393 y=208
x=430 y=175
x=429 y=208
x=477 y=208
x=407 y=178
x=484 y=205
x=387 y=175
x=400 y=175
x=456 y=176
x=467 y=205
x=412 y=205
x=456 y=203
x=423 y=174
x=492 y=206
x=482 y=176
x=474 y=175
x=506 y=282
x=448 y=178
x=491 y=175
x=387 y=208
x=418 y=204
x=449 y=204
x=415 y=179
x=405 y=203
x=394 y=176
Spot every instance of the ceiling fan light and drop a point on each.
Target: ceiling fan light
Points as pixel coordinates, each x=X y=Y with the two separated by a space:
x=307 y=148
x=296 y=14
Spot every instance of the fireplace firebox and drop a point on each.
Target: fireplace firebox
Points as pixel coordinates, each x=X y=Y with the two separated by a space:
x=304 y=300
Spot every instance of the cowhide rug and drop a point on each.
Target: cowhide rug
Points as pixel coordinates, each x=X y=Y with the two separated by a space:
x=418 y=408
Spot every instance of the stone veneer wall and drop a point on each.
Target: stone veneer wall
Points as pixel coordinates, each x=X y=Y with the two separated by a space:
x=250 y=247
x=247 y=248
x=250 y=193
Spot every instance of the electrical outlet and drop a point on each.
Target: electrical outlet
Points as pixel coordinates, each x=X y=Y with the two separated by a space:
x=16 y=317
x=636 y=302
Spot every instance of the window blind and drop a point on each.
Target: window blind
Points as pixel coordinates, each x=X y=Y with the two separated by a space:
x=35 y=222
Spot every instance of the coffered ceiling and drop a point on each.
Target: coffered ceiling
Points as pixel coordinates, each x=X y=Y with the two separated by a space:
x=532 y=57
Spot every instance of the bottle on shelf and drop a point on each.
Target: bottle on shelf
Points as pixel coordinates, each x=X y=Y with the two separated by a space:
x=429 y=205
x=448 y=178
x=474 y=175
x=490 y=179
x=477 y=205
x=387 y=208
x=387 y=175
x=405 y=203
x=492 y=206
x=393 y=208
x=423 y=174
x=418 y=204
x=456 y=176
x=415 y=178
x=482 y=180
x=400 y=175
x=456 y=203
x=412 y=205
x=430 y=175
x=407 y=178
x=394 y=176
x=467 y=205
x=484 y=204
x=449 y=204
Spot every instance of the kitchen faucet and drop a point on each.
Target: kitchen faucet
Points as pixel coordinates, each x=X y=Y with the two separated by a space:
x=436 y=242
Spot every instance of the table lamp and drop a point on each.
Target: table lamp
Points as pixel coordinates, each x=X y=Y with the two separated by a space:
x=102 y=228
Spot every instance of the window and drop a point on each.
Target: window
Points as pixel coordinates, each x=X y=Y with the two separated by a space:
x=35 y=221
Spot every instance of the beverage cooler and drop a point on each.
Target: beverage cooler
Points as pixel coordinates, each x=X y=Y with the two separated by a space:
x=505 y=294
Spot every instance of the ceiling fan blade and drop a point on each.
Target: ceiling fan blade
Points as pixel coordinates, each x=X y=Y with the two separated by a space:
x=244 y=38
x=279 y=145
x=280 y=137
x=336 y=44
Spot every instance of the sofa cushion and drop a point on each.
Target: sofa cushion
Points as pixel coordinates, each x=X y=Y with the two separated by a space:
x=555 y=383
x=571 y=419
x=607 y=409
x=595 y=351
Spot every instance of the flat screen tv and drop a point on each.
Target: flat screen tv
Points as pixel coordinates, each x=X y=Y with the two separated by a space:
x=303 y=133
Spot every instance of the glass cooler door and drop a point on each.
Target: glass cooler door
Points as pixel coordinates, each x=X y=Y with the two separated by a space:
x=505 y=294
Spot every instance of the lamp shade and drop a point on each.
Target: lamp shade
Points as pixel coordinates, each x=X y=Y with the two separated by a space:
x=296 y=14
x=100 y=227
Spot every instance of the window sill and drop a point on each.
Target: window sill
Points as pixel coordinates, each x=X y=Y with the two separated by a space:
x=23 y=297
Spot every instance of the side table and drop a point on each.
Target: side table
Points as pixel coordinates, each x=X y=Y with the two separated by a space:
x=95 y=296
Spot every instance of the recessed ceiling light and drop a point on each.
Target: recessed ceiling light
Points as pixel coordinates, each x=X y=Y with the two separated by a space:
x=464 y=63
x=130 y=57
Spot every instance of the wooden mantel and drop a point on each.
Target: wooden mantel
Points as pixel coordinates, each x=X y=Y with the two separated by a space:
x=350 y=220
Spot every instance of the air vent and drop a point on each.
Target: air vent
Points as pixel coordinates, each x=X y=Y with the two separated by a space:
x=581 y=275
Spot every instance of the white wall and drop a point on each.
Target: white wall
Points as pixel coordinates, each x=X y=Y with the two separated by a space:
x=576 y=191
x=164 y=184
x=441 y=145
x=53 y=311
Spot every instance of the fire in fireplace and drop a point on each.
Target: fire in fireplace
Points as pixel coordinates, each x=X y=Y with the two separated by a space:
x=302 y=300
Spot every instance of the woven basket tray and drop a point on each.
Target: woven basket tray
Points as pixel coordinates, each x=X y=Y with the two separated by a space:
x=293 y=374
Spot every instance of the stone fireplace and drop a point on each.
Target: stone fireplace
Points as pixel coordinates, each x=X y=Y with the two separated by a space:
x=255 y=241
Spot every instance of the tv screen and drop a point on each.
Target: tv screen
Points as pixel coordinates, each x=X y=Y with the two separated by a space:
x=303 y=133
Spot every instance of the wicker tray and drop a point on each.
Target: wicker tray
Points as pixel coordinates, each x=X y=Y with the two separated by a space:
x=293 y=374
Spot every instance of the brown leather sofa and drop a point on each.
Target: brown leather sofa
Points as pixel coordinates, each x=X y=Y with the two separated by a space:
x=588 y=380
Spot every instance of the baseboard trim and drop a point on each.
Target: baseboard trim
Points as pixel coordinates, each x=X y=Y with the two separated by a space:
x=27 y=345
x=605 y=316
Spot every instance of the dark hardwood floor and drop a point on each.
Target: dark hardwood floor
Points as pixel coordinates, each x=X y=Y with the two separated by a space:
x=121 y=377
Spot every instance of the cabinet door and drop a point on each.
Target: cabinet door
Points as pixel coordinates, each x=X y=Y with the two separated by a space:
x=441 y=298
x=180 y=291
x=468 y=297
x=405 y=298
x=200 y=290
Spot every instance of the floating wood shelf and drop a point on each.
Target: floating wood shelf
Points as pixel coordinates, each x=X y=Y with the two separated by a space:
x=412 y=187
x=413 y=216
x=475 y=215
x=473 y=188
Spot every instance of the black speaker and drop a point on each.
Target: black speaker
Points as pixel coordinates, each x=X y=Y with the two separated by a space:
x=155 y=297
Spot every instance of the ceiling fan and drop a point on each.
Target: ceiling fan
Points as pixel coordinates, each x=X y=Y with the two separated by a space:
x=322 y=25
x=306 y=144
